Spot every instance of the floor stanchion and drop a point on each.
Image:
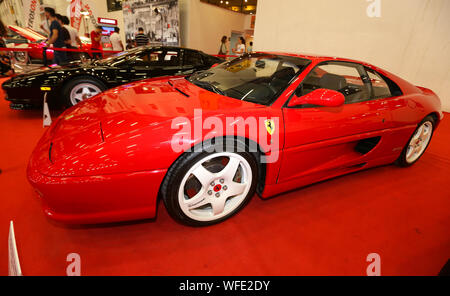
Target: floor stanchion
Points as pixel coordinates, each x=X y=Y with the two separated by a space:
x=47 y=119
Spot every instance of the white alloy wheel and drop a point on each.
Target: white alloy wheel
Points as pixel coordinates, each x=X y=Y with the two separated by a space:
x=83 y=91
x=215 y=186
x=419 y=142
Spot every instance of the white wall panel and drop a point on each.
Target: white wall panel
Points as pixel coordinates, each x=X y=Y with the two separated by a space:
x=410 y=39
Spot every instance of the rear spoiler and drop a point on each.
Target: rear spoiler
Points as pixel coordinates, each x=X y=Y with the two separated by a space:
x=426 y=91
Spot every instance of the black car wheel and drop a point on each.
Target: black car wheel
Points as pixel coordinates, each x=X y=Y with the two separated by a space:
x=418 y=142
x=204 y=188
x=80 y=89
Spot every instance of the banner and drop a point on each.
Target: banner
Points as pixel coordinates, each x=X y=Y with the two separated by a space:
x=31 y=13
x=89 y=7
x=158 y=18
x=75 y=14
x=76 y=7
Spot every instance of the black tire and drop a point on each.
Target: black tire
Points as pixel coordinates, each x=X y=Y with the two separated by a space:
x=402 y=160
x=21 y=57
x=71 y=84
x=172 y=181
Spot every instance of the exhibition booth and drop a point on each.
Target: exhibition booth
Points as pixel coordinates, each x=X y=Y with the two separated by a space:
x=225 y=138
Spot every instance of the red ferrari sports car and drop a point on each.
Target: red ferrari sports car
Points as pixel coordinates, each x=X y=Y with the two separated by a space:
x=204 y=144
x=27 y=38
x=19 y=37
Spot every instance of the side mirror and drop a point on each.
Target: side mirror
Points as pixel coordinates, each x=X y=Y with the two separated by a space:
x=321 y=97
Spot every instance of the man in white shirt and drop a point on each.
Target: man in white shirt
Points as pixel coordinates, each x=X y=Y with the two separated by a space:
x=116 y=42
x=45 y=27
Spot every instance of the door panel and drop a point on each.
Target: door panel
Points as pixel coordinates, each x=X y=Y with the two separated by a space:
x=323 y=139
x=309 y=125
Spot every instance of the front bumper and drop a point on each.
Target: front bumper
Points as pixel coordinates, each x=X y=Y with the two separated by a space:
x=24 y=97
x=94 y=199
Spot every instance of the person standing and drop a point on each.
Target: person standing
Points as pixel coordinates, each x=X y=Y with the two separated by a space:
x=45 y=26
x=240 y=49
x=96 y=42
x=129 y=44
x=250 y=47
x=65 y=35
x=223 y=51
x=5 y=60
x=116 y=42
x=141 y=39
x=56 y=38
x=75 y=41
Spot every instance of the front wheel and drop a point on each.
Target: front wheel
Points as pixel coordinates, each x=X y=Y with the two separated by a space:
x=205 y=188
x=418 y=143
x=80 y=89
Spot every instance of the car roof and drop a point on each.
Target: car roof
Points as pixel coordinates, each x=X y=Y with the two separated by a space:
x=317 y=58
x=173 y=47
x=168 y=47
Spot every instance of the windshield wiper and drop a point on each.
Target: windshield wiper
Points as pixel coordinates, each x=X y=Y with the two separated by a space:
x=209 y=85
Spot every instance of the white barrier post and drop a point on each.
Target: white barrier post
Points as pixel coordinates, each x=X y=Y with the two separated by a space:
x=47 y=119
x=13 y=258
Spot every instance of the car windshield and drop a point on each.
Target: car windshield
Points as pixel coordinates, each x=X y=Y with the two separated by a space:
x=118 y=58
x=258 y=78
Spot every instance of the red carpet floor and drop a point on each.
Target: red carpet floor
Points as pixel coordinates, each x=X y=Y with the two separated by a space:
x=324 y=229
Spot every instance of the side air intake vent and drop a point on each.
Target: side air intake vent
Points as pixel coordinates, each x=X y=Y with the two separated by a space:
x=366 y=145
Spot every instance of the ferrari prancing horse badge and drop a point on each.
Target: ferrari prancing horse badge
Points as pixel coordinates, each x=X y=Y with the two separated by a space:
x=270 y=126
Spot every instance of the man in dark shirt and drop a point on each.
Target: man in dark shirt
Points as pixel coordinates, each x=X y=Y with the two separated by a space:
x=141 y=39
x=96 y=37
x=56 y=37
x=65 y=35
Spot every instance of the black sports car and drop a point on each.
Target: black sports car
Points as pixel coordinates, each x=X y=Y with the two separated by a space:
x=70 y=84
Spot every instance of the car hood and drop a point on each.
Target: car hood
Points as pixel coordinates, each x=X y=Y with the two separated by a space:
x=45 y=71
x=149 y=102
x=137 y=117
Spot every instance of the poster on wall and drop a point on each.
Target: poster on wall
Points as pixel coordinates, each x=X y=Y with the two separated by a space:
x=158 y=18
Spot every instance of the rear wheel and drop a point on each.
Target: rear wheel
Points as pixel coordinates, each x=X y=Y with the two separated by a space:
x=205 y=188
x=21 y=56
x=418 y=143
x=80 y=89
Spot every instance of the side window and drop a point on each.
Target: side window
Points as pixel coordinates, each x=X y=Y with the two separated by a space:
x=192 y=58
x=155 y=58
x=382 y=86
x=172 y=58
x=158 y=58
x=379 y=86
x=341 y=77
x=142 y=59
